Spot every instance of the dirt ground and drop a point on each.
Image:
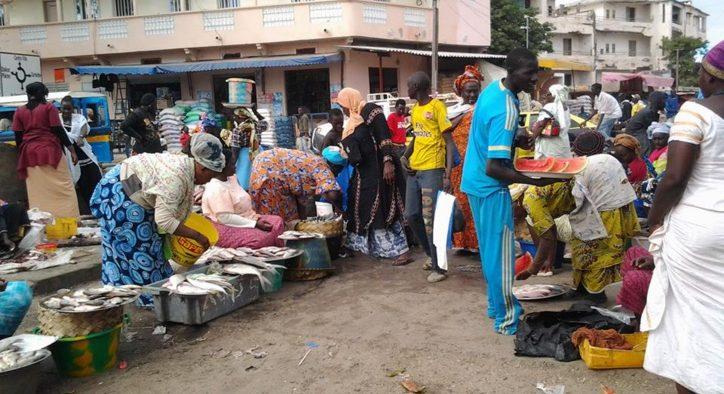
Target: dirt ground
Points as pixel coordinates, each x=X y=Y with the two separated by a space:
x=367 y=320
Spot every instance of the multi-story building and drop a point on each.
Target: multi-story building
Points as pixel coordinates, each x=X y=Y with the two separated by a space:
x=299 y=52
x=616 y=35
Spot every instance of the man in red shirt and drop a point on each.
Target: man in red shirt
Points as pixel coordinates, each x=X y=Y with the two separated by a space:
x=397 y=123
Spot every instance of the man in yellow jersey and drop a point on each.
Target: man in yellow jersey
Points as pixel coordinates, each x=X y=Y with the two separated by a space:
x=428 y=161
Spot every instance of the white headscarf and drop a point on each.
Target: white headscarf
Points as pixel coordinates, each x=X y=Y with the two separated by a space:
x=560 y=95
x=207 y=151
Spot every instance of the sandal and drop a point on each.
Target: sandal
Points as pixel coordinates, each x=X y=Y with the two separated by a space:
x=427 y=265
x=402 y=260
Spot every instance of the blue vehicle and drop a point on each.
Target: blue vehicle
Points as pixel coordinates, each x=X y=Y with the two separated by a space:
x=94 y=106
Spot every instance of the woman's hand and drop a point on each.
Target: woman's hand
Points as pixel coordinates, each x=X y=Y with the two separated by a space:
x=388 y=172
x=532 y=270
x=644 y=263
x=73 y=156
x=263 y=225
x=202 y=240
x=405 y=162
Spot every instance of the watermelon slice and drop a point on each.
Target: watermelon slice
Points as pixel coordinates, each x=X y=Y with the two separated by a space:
x=523 y=262
x=574 y=165
x=529 y=165
x=559 y=166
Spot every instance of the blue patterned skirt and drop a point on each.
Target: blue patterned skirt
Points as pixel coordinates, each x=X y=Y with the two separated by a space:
x=386 y=243
x=132 y=246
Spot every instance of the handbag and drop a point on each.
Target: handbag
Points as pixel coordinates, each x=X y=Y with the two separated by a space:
x=458 y=219
x=553 y=128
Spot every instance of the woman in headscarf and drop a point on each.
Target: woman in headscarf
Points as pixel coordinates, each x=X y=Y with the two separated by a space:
x=551 y=129
x=42 y=141
x=467 y=86
x=284 y=182
x=229 y=207
x=602 y=218
x=88 y=170
x=374 y=207
x=145 y=196
x=660 y=143
x=683 y=314
x=627 y=147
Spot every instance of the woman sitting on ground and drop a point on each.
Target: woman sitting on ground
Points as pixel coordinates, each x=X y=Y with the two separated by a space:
x=229 y=207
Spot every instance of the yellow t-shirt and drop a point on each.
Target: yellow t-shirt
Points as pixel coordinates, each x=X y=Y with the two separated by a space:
x=428 y=123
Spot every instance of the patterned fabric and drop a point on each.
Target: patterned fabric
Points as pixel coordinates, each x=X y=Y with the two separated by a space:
x=635 y=281
x=279 y=176
x=596 y=263
x=467 y=239
x=471 y=74
x=386 y=243
x=236 y=237
x=132 y=246
x=241 y=134
x=546 y=203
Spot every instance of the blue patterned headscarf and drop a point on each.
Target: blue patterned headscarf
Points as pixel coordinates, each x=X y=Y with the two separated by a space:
x=207 y=151
x=208 y=122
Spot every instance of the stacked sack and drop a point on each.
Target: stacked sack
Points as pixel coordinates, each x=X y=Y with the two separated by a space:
x=268 y=137
x=171 y=124
x=582 y=102
x=284 y=130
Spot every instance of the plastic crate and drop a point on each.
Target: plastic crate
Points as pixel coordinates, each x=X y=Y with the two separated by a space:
x=62 y=228
x=602 y=358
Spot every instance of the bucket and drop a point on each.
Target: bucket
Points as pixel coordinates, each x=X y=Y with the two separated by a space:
x=186 y=251
x=240 y=90
x=528 y=247
x=87 y=355
x=62 y=228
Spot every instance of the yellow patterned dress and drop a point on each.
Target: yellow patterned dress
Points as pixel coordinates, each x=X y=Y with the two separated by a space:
x=596 y=263
x=545 y=203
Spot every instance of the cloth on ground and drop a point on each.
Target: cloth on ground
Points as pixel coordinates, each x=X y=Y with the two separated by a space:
x=609 y=339
x=548 y=334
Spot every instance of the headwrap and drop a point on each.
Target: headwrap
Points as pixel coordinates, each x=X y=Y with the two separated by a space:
x=148 y=99
x=713 y=62
x=589 y=143
x=246 y=112
x=352 y=100
x=560 y=95
x=333 y=155
x=628 y=141
x=661 y=128
x=471 y=74
x=206 y=150
x=208 y=122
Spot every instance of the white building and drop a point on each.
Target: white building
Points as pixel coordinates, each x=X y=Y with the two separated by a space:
x=594 y=36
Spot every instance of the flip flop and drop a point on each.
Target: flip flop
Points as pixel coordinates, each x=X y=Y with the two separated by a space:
x=399 y=263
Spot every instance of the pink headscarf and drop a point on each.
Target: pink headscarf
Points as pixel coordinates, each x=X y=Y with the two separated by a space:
x=713 y=62
x=352 y=100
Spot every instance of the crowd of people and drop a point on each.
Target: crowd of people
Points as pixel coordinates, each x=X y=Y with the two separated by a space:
x=642 y=163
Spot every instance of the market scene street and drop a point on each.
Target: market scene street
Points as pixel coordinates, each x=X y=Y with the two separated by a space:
x=394 y=196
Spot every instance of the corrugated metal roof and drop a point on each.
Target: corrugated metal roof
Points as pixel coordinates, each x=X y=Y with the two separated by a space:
x=419 y=52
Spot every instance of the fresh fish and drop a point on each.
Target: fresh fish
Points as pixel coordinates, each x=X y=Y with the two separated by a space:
x=90 y=299
x=52 y=303
x=243 y=269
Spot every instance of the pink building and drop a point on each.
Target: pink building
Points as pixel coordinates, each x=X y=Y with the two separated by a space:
x=299 y=52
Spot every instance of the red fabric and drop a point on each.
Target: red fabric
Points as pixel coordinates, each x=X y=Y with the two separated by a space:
x=40 y=146
x=235 y=237
x=656 y=153
x=637 y=171
x=635 y=281
x=184 y=140
x=396 y=125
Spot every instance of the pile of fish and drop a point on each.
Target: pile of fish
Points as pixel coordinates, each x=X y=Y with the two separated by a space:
x=246 y=255
x=33 y=260
x=200 y=284
x=93 y=299
x=539 y=291
x=246 y=269
x=294 y=235
x=13 y=356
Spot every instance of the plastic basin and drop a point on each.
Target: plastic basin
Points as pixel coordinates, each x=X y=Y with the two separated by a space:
x=87 y=355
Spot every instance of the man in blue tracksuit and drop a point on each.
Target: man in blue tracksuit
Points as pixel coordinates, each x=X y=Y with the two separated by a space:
x=488 y=171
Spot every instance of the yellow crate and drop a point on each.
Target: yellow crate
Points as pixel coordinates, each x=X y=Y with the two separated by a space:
x=62 y=228
x=602 y=358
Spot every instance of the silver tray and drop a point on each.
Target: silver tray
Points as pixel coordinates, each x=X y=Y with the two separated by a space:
x=557 y=292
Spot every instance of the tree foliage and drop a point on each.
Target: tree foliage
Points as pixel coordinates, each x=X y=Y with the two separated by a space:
x=689 y=48
x=506 y=19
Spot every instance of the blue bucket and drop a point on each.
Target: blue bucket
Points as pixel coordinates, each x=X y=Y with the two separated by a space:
x=528 y=247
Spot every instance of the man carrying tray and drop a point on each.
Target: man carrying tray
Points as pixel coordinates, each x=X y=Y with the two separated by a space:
x=487 y=172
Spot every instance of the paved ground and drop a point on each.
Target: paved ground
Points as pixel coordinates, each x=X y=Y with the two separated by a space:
x=368 y=319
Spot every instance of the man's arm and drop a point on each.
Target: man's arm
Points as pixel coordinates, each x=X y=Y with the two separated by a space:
x=496 y=168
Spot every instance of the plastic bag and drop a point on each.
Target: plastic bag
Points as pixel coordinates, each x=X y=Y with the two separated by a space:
x=14 y=303
x=33 y=236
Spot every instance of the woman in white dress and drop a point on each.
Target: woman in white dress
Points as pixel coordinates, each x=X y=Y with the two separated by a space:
x=684 y=313
x=87 y=172
x=554 y=144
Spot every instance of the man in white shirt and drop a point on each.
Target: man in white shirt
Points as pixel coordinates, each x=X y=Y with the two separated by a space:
x=608 y=107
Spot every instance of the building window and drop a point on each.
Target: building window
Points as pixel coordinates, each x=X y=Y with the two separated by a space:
x=703 y=24
x=688 y=18
x=2 y=15
x=663 y=13
x=123 y=8
x=178 y=5
x=227 y=3
x=550 y=10
x=567 y=79
x=631 y=14
x=676 y=15
x=389 y=80
x=50 y=9
x=608 y=14
x=613 y=48
x=632 y=48
x=613 y=14
x=567 y=46
x=608 y=48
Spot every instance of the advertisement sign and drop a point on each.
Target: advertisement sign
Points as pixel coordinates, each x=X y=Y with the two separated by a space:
x=17 y=72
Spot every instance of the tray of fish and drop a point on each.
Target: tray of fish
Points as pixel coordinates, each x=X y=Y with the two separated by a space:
x=539 y=292
x=202 y=294
x=295 y=235
x=91 y=299
x=247 y=255
x=18 y=352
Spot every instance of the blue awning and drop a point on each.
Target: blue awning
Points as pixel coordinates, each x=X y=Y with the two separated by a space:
x=138 y=69
x=213 y=65
x=252 y=62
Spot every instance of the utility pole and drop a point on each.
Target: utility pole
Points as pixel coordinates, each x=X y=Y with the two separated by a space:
x=527 y=30
x=677 y=68
x=435 y=32
x=593 y=38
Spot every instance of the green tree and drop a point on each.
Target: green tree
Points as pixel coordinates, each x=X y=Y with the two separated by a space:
x=688 y=48
x=506 y=19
